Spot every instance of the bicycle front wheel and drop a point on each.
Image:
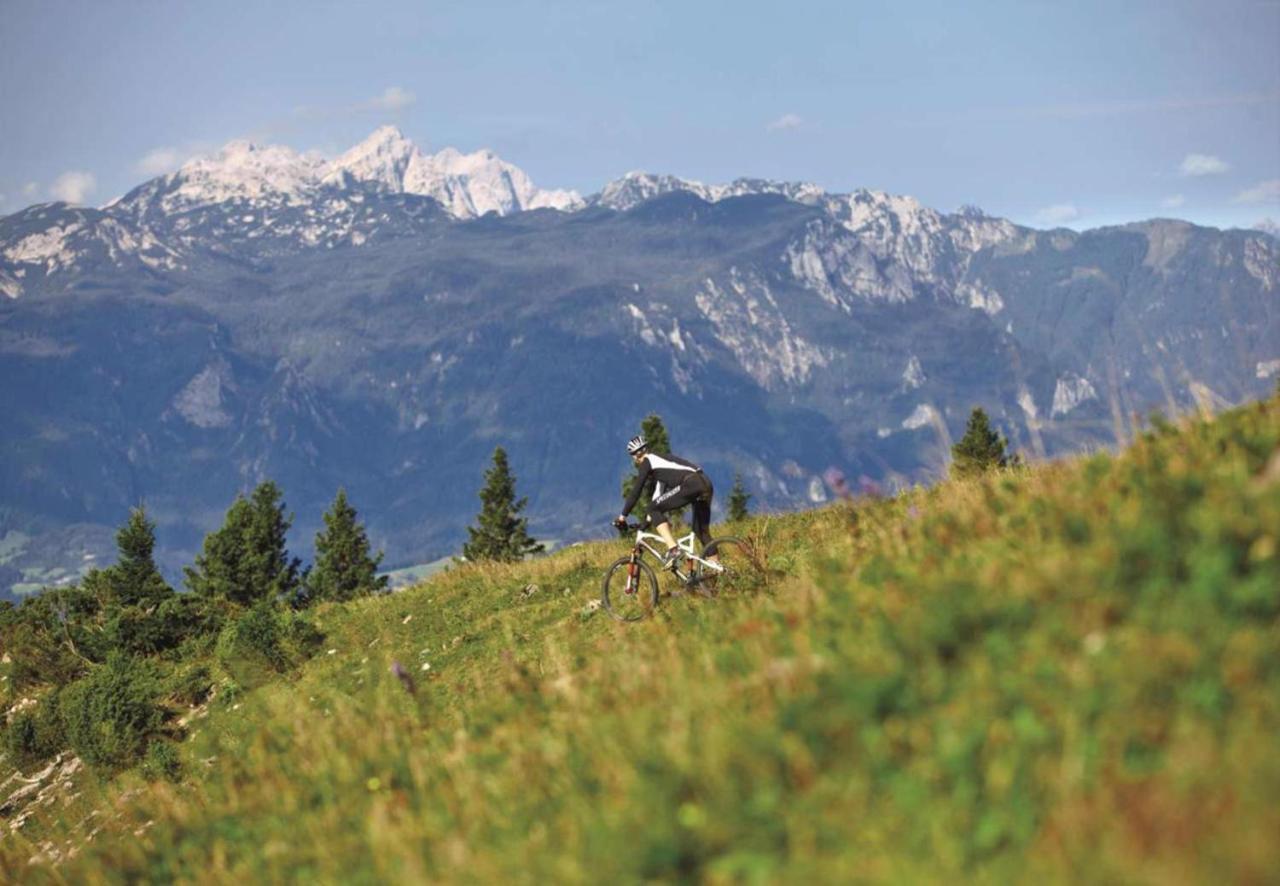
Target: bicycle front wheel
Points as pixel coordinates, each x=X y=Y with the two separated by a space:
x=630 y=590
x=733 y=565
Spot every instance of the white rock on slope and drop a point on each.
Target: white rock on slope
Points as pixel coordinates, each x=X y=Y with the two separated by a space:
x=467 y=185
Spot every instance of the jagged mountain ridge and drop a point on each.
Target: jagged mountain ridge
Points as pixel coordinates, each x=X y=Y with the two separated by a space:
x=173 y=348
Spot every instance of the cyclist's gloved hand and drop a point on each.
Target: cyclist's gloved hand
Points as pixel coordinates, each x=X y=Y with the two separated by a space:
x=620 y=522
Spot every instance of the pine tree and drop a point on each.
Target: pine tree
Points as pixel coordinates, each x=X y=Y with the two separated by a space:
x=738 y=498
x=344 y=568
x=134 y=579
x=246 y=560
x=501 y=533
x=981 y=448
x=655 y=434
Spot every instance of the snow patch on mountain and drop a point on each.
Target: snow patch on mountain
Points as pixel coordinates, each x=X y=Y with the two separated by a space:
x=808 y=267
x=467 y=185
x=1267 y=368
x=972 y=232
x=245 y=171
x=913 y=376
x=923 y=415
x=748 y=321
x=9 y=285
x=1262 y=260
x=1028 y=404
x=200 y=401
x=383 y=158
x=636 y=187
x=817 y=490
x=48 y=247
x=834 y=263
x=980 y=297
x=647 y=335
x=1070 y=391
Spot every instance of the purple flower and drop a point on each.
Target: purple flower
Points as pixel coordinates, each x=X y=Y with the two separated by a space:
x=837 y=482
x=406 y=680
x=869 y=487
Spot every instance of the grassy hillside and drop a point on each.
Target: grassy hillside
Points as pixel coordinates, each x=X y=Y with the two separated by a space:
x=1070 y=671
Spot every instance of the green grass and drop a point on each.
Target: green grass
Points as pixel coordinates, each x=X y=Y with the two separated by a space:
x=1069 y=672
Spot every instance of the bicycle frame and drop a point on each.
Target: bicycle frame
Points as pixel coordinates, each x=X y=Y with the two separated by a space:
x=685 y=544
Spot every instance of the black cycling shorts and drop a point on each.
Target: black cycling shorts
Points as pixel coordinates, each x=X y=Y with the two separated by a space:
x=695 y=489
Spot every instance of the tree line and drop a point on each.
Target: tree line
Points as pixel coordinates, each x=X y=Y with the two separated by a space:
x=102 y=666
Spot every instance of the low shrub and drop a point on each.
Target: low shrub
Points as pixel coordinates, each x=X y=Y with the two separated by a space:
x=162 y=762
x=263 y=642
x=35 y=734
x=189 y=684
x=111 y=714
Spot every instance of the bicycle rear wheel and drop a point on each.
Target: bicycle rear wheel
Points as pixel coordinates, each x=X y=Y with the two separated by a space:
x=739 y=568
x=630 y=590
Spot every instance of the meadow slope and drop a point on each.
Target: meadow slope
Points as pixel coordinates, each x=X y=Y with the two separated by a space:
x=1069 y=671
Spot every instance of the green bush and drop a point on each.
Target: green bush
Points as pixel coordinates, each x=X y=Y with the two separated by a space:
x=34 y=735
x=189 y=683
x=263 y=642
x=162 y=762
x=112 y=713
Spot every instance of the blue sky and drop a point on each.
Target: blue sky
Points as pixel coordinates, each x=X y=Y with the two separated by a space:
x=1075 y=113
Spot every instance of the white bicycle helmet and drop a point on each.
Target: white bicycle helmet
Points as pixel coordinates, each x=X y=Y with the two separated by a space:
x=636 y=444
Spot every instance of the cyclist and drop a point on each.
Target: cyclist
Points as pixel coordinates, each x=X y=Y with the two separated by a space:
x=677 y=482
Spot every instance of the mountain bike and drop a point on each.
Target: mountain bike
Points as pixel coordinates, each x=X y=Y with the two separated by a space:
x=630 y=590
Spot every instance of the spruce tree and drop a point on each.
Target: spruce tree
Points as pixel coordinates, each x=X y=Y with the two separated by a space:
x=134 y=580
x=655 y=434
x=246 y=560
x=738 y=498
x=981 y=449
x=344 y=568
x=501 y=534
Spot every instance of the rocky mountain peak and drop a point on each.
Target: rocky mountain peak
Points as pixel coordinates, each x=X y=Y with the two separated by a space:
x=383 y=158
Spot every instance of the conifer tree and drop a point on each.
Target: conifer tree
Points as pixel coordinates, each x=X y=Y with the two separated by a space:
x=981 y=449
x=655 y=434
x=738 y=498
x=246 y=560
x=344 y=568
x=134 y=579
x=501 y=534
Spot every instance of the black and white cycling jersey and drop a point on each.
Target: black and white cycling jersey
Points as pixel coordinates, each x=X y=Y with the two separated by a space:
x=666 y=471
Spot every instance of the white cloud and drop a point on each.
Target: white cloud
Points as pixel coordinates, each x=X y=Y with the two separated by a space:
x=786 y=121
x=1173 y=202
x=393 y=98
x=1202 y=164
x=1267 y=226
x=30 y=189
x=159 y=161
x=1263 y=192
x=1058 y=213
x=73 y=186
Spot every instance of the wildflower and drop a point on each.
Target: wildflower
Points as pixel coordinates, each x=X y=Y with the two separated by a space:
x=406 y=680
x=870 y=488
x=836 y=481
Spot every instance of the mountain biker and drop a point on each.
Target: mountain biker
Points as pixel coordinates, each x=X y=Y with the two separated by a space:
x=677 y=482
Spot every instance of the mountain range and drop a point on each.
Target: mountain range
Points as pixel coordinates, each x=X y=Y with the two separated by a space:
x=382 y=320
